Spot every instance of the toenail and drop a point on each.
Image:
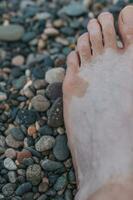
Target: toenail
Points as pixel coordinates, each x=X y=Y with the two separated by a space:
x=127 y=15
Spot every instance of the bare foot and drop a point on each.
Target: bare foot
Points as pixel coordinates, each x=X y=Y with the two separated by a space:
x=98 y=109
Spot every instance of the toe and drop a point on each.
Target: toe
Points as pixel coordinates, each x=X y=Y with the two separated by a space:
x=83 y=47
x=126 y=25
x=95 y=36
x=106 y=21
x=72 y=63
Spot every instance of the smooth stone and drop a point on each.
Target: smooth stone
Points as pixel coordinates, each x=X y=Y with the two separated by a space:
x=55 y=75
x=42 y=16
x=45 y=143
x=40 y=103
x=54 y=90
x=2 y=150
x=28 y=36
x=51 y=31
x=60 y=150
x=39 y=84
x=2 y=197
x=2 y=141
x=28 y=196
x=9 y=164
x=71 y=177
x=33 y=174
x=10 y=153
x=61 y=183
x=50 y=165
x=27 y=117
x=12 y=176
x=18 y=60
x=42 y=197
x=8 y=189
x=3 y=96
x=19 y=83
x=23 y=155
x=23 y=188
x=74 y=9
x=11 y=142
x=55 y=114
x=17 y=133
x=45 y=130
x=68 y=195
x=43 y=187
x=11 y=33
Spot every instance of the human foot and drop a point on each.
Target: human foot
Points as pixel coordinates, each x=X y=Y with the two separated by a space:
x=98 y=109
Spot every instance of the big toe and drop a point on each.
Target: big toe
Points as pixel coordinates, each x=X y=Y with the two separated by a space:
x=126 y=25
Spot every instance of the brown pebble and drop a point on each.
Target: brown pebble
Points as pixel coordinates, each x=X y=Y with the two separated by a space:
x=32 y=131
x=18 y=60
x=23 y=154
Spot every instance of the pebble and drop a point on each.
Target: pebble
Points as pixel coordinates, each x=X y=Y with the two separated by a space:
x=33 y=174
x=11 y=142
x=17 y=134
x=60 y=183
x=12 y=176
x=54 y=90
x=8 y=189
x=18 y=60
x=68 y=195
x=27 y=117
x=74 y=9
x=50 y=165
x=2 y=150
x=42 y=197
x=9 y=164
x=43 y=187
x=55 y=114
x=45 y=143
x=60 y=149
x=55 y=75
x=45 y=130
x=40 y=103
x=51 y=31
x=22 y=155
x=11 y=33
x=2 y=141
x=39 y=84
x=3 y=96
x=23 y=188
x=32 y=131
x=10 y=153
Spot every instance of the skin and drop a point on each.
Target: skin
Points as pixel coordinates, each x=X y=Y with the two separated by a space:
x=92 y=45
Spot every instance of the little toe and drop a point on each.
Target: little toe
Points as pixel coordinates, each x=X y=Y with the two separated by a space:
x=126 y=25
x=84 y=49
x=72 y=63
x=106 y=21
x=95 y=37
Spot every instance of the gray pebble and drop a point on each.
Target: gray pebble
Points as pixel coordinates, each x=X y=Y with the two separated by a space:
x=40 y=103
x=24 y=188
x=45 y=143
x=8 y=189
x=60 y=183
x=9 y=164
x=12 y=176
x=50 y=165
x=60 y=149
x=17 y=133
x=11 y=33
x=33 y=174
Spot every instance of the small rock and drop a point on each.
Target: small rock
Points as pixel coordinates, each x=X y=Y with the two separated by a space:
x=60 y=149
x=27 y=117
x=3 y=96
x=9 y=164
x=45 y=130
x=45 y=143
x=54 y=91
x=32 y=132
x=10 y=153
x=42 y=197
x=74 y=9
x=12 y=176
x=55 y=114
x=33 y=174
x=2 y=150
x=49 y=165
x=60 y=183
x=22 y=155
x=8 y=189
x=68 y=195
x=43 y=187
x=55 y=75
x=40 y=103
x=17 y=133
x=51 y=31
x=18 y=60
x=11 y=33
x=39 y=84
x=24 y=188
x=11 y=142
x=28 y=36
x=2 y=141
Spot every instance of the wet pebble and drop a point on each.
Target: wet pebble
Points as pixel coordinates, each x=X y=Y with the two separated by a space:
x=9 y=164
x=60 y=149
x=8 y=189
x=10 y=153
x=50 y=165
x=45 y=143
x=12 y=176
x=11 y=142
x=23 y=188
x=60 y=183
x=33 y=174
x=54 y=90
x=17 y=133
x=40 y=103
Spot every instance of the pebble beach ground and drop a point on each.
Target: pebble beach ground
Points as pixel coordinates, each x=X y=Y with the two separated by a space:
x=35 y=39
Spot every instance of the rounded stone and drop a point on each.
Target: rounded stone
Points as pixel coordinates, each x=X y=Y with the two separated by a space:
x=45 y=143
x=11 y=142
x=18 y=60
x=9 y=164
x=60 y=150
x=17 y=133
x=43 y=187
x=55 y=75
x=8 y=189
x=33 y=174
x=22 y=155
x=11 y=33
x=40 y=103
x=23 y=188
x=61 y=183
x=51 y=31
x=12 y=176
x=50 y=165
x=10 y=153
x=54 y=91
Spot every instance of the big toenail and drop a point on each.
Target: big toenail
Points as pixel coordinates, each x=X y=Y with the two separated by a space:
x=127 y=15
